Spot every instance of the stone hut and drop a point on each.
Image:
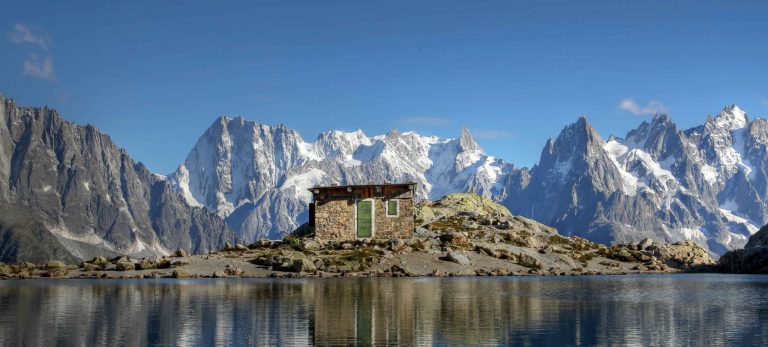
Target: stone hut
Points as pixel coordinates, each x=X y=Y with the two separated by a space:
x=351 y=212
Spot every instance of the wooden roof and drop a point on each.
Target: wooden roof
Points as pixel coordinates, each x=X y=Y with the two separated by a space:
x=353 y=186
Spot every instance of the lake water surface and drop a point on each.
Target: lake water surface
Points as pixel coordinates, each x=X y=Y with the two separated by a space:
x=705 y=310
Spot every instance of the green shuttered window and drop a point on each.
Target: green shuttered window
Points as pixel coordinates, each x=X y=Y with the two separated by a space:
x=392 y=206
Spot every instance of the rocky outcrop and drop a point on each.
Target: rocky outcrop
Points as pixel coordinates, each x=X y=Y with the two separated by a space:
x=68 y=192
x=752 y=259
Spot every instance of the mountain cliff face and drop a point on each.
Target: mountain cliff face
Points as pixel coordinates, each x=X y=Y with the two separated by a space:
x=67 y=192
x=258 y=176
x=707 y=184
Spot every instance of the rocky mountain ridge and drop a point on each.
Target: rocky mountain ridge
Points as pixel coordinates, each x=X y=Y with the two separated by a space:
x=257 y=176
x=68 y=192
x=707 y=184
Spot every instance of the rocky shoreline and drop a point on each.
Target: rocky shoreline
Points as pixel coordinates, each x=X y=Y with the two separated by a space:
x=460 y=235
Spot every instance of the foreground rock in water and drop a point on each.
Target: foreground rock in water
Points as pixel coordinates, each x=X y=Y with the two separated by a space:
x=462 y=234
x=752 y=259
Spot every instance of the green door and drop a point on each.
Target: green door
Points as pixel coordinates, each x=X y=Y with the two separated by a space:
x=364 y=220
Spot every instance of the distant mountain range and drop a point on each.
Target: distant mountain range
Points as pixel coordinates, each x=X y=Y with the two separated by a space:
x=68 y=193
x=74 y=189
x=706 y=184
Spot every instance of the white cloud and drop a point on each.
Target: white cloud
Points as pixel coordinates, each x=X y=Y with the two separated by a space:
x=492 y=134
x=39 y=68
x=23 y=34
x=653 y=107
x=34 y=65
x=434 y=121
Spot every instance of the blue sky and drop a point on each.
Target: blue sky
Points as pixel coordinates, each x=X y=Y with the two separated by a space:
x=154 y=75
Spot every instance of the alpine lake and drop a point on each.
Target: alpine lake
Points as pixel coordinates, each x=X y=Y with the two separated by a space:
x=675 y=310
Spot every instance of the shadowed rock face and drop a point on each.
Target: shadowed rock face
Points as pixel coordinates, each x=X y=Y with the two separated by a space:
x=752 y=259
x=69 y=193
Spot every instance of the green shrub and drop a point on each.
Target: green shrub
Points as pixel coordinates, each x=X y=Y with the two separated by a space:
x=292 y=241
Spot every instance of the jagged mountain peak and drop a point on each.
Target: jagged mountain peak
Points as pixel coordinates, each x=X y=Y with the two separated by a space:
x=730 y=118
x=260 y=184
x=87 y=196
x=467 y=141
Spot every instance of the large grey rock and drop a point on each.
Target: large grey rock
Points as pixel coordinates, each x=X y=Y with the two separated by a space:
x=458 y=258
x=303 y=265
x=68 y=192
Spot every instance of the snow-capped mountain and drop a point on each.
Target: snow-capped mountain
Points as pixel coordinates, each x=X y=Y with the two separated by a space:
x=257 y=176
x=706 y=184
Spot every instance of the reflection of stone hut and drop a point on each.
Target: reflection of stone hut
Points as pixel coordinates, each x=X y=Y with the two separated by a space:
x=379 y=211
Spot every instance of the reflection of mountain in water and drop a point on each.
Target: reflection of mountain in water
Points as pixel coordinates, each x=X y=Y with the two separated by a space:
x=646 y=310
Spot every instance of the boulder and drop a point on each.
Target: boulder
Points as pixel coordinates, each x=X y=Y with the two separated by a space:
x=99 y=260
x=56 y=272
x=455 y=240
x=319 y=264
x=119 y=259
x=303 y=265
x=227 y=246
x=624 y=255
x=233 y=271
x=644 y=244
x=125 y=266
x=146 y=264
x=311 y=245
x=181 y=253
x=220 y=274
x=395 y=245
x=180 y=274
x=55 y=264
x=27 y=266
x=458 y=258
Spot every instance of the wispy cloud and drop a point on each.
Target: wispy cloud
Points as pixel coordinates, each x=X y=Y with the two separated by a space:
x=492 y=134
x=36 y=66
x=23 y=34
x=434 y=121
x=652 y=107
x=764 y=101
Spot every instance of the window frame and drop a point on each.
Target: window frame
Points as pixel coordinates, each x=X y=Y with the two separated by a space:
x=397 y=208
